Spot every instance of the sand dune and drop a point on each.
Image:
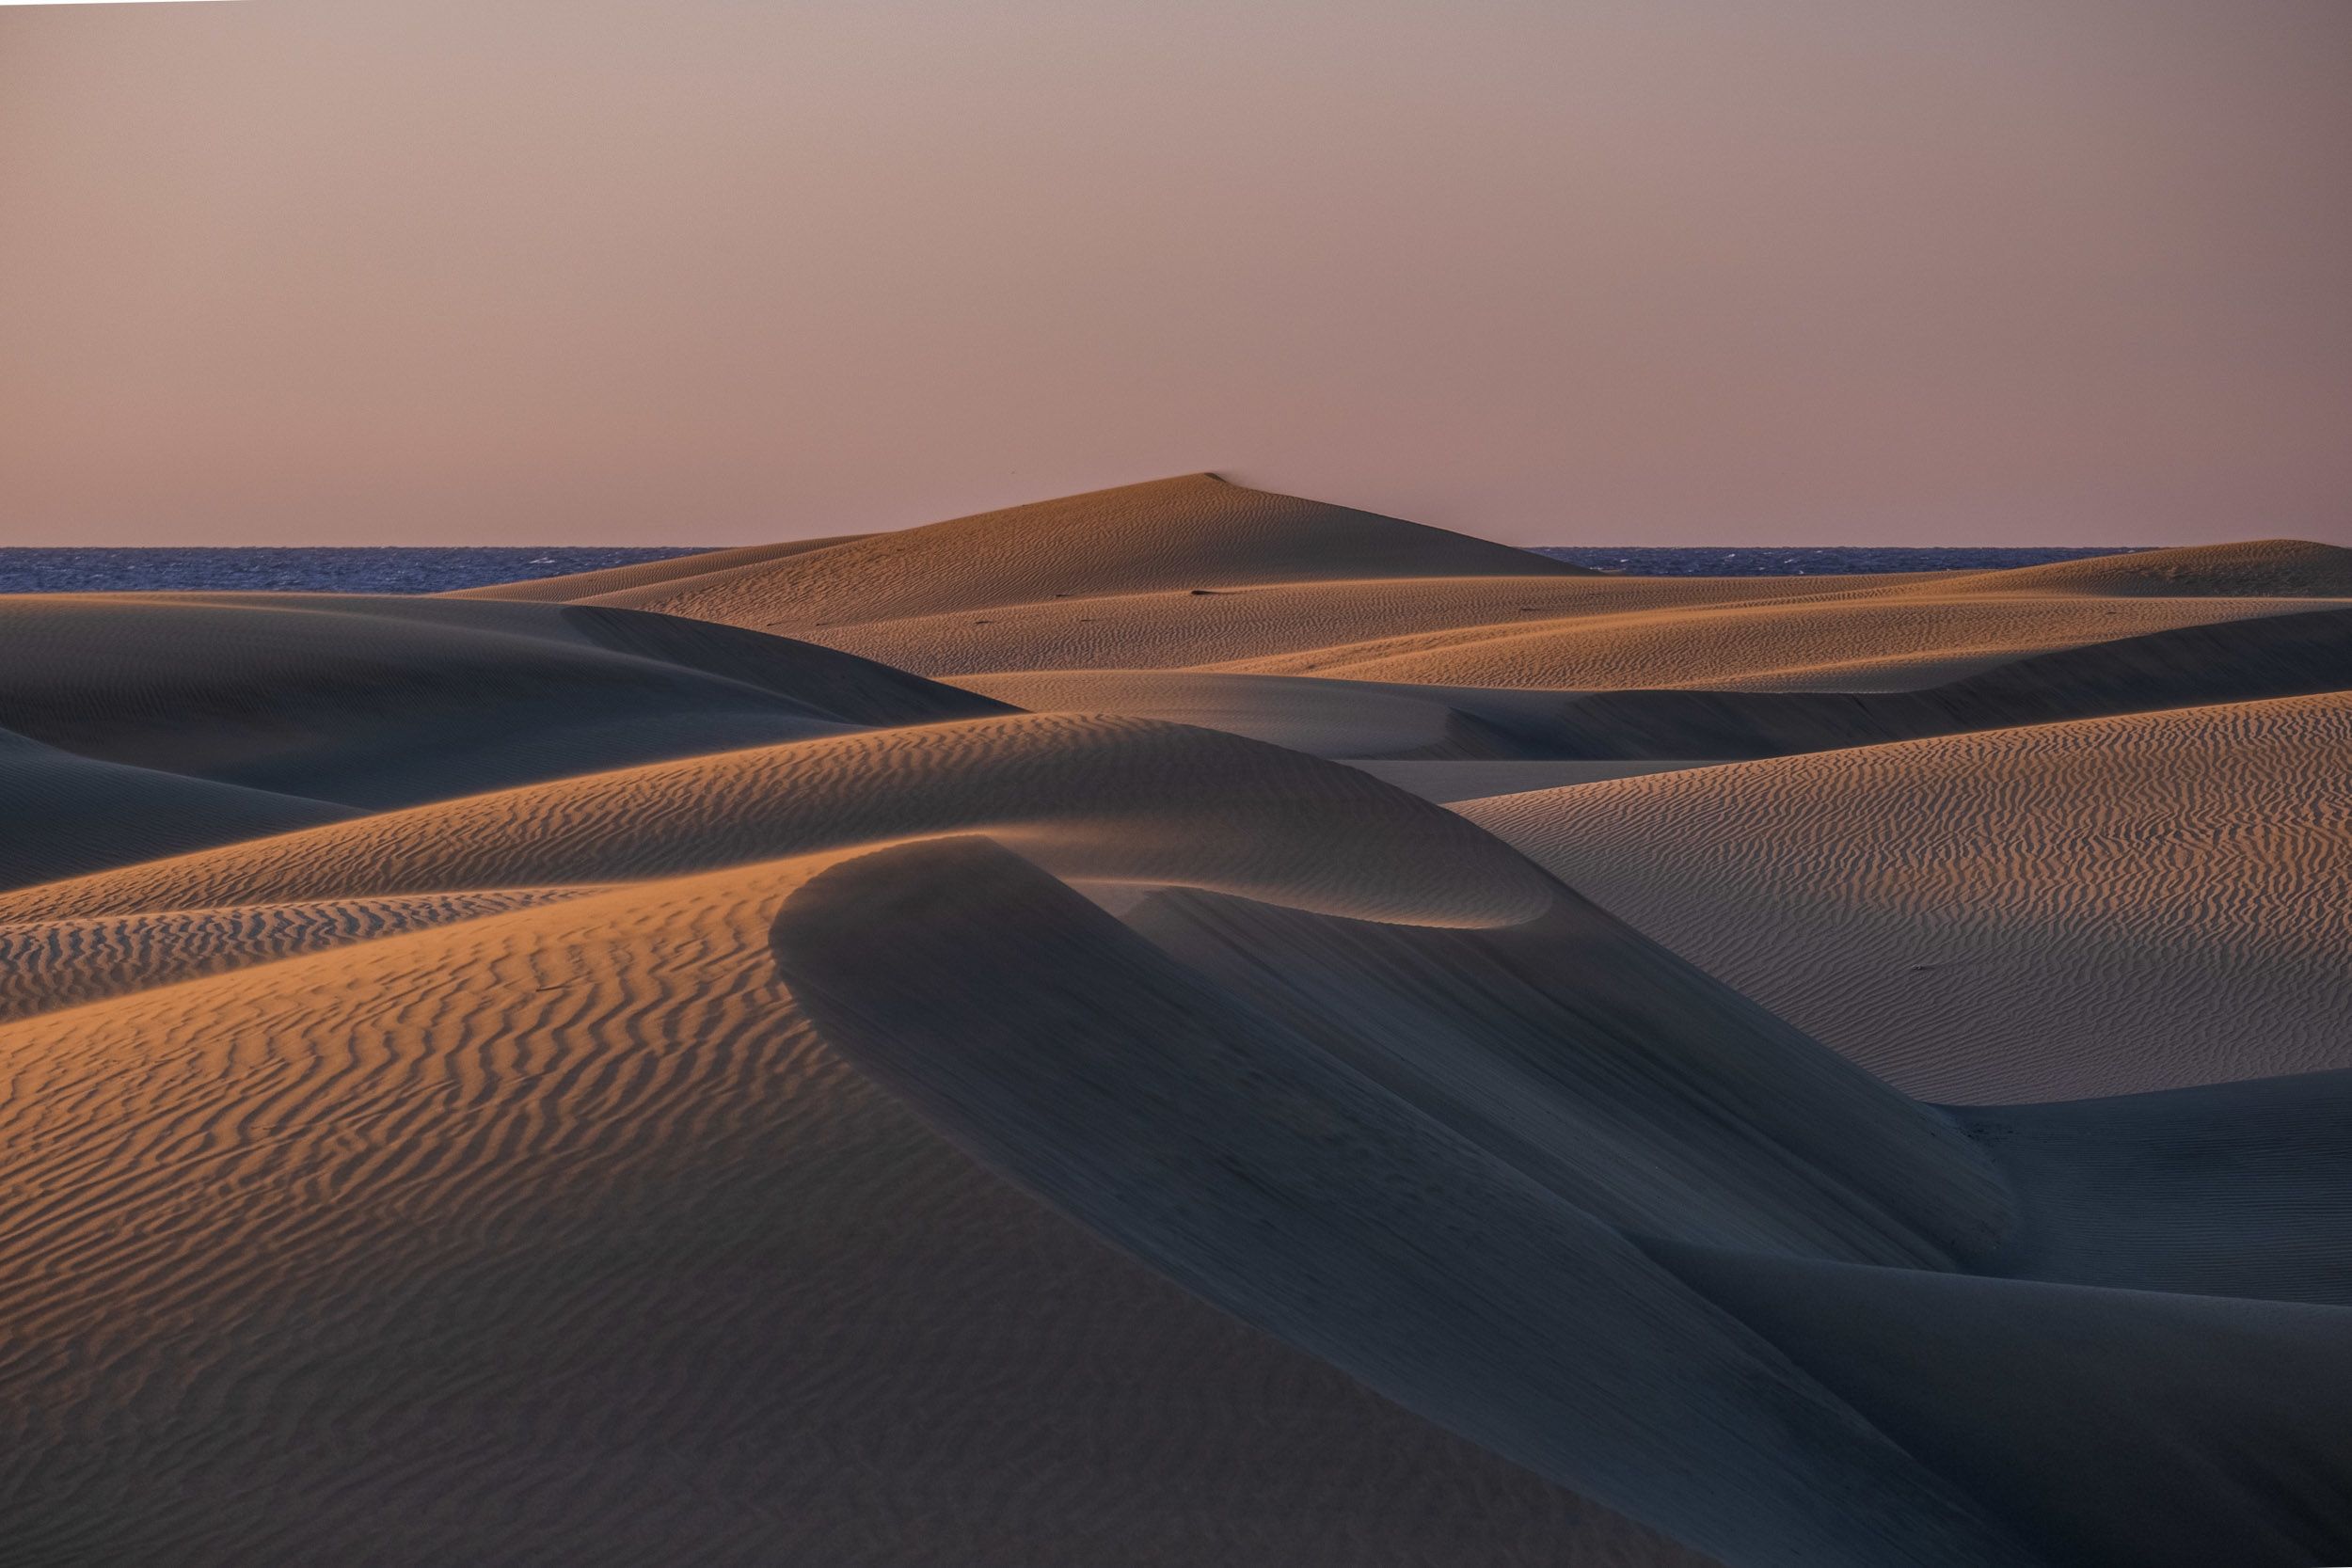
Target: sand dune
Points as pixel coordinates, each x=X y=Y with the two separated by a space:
x=1451 y=781
x=49 y=965
x=1376 y=1142
x=2106 y=1422
x=1195 y=532
x=2090 y=907
x=1195 y=573
x=2266 y=568
x=554 y=1236
x=1877 y=642
x=378 y=702
x=667 y=574
x=66 y=813
x=2290 y=652
x=1326 y=718
x=1117 y=799
x=628 y=1069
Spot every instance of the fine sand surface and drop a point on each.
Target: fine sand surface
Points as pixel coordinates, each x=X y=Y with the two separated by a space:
x=2037 y=914
x=1182 y=1026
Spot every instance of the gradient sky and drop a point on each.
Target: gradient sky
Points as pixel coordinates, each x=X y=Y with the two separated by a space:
x=1553 y=271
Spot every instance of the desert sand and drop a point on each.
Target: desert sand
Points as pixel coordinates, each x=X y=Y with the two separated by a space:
x=1183 y=1025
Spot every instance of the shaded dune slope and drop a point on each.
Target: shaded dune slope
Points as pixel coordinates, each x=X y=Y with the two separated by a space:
x=1866 y=637
x=2289 y=654
x=66 y=815
x=2284 y=655
x=2110 y=1420
x=382 y=702
x=1338 y=1137
x=2140 y=902
x=1856 y=634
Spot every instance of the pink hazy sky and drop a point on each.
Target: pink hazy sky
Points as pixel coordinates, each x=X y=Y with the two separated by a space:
x=1553 y=271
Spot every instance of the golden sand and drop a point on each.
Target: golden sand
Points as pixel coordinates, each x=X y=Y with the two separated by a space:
x=981 y=1046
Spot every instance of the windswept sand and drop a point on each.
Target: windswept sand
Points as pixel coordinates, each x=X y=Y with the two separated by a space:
x=977 y=1047
x=2037 y=913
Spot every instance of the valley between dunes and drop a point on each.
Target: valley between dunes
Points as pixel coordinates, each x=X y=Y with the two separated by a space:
x=1182 y=1026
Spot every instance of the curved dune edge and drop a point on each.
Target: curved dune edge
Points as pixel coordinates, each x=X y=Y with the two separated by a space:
x=382 y=702
x=68 y=815
x=1113 y=799
x=1888 y=639
x=2283 y=653
x=2160 y=893
x=1317 y=1183
x=1248 y=1166
x=556 y=1236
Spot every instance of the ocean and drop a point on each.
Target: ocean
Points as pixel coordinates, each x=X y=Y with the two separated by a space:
x=399 y=569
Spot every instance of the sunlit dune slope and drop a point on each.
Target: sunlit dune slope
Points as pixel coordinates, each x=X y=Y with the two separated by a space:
x=52 y=964
x=2284 y=654
x=2271 y=568
x=554 y=1237
x=1197 y=573
x=1891 y=639
x=2088 y=908
x=1292 y=622
x=668 y=574
x=1195 y=532
x=1126 y=799
x=1396 y=1147
x=380 y=702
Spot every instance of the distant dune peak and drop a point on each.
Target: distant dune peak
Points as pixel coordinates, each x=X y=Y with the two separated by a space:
x=1174 y=535
x=1207 y=526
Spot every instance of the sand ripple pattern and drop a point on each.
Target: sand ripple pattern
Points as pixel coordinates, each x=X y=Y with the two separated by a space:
x=734 y=1102
x=552 y=1237
x=2068 y=909
x=49 y=965
x=1129 y=799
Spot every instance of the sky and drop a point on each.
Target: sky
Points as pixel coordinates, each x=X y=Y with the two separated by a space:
x=1552 y=271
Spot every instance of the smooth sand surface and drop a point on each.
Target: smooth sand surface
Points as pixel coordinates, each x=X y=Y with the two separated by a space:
x=383 y=702
x=69 y=813
x=980 y=1047
x=1451 y=782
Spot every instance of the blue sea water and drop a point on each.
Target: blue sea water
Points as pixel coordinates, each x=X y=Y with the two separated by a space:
x=340 y=569
x=394 y=569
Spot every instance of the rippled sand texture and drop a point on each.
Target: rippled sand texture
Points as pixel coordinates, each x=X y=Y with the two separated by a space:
x=977 y=1048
